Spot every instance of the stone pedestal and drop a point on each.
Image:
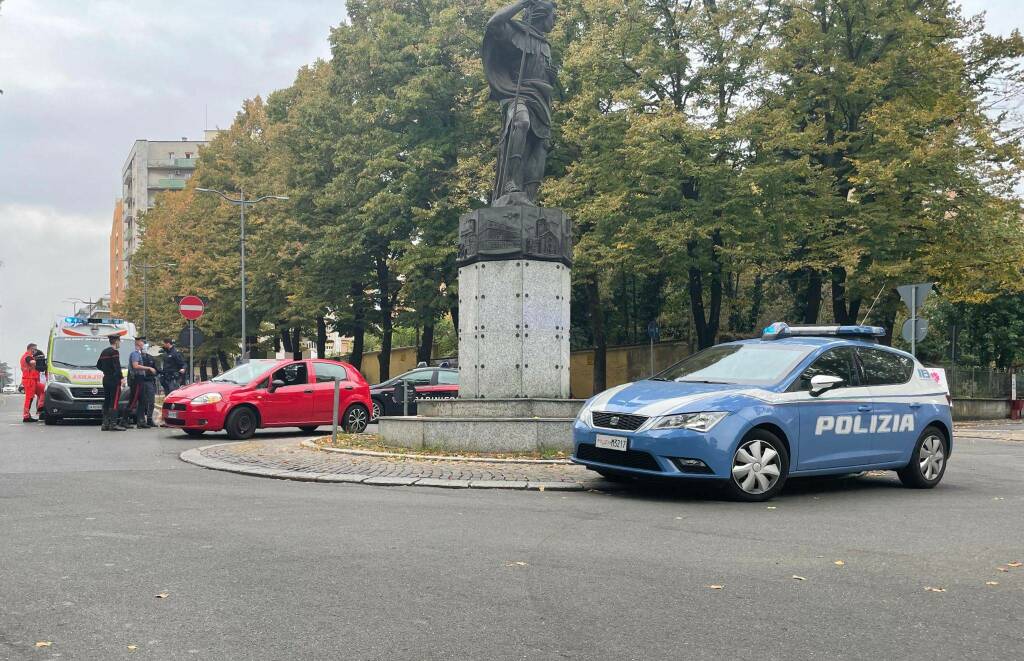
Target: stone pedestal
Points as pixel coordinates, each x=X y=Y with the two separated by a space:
x=514 y=280
x=514 y=287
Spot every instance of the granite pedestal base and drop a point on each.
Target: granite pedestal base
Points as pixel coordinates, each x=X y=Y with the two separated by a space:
x=488 y=425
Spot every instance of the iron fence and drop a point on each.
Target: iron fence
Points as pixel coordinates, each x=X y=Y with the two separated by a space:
x=978 y=382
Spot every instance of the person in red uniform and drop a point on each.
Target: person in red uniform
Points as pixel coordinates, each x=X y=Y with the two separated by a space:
x=29 y=381
x=44 y=376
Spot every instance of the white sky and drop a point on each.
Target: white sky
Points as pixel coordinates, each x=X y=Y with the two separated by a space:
x=83 y=79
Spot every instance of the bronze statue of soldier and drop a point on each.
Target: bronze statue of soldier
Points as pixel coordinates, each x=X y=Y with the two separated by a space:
x=517 y=63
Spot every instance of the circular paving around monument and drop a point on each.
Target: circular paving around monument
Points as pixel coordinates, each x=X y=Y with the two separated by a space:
x=289 y=459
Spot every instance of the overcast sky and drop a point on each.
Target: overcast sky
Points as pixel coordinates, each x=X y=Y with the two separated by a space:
x=83 y=79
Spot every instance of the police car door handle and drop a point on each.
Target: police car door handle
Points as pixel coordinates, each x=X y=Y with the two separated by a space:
x=863 y=407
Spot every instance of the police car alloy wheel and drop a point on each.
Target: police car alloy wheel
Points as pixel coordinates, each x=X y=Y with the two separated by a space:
x=759 y=467
x=375 y=413
x=928 y=462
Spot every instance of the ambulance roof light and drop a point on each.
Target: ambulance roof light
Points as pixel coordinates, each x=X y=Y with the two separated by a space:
x=780 y=329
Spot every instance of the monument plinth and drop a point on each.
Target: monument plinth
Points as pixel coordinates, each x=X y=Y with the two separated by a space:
x=514 y=281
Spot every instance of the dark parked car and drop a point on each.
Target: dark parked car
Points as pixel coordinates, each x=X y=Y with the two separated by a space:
x=430 y=382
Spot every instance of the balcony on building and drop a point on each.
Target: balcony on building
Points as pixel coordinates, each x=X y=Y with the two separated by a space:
x=173 y=184
x=172 y=163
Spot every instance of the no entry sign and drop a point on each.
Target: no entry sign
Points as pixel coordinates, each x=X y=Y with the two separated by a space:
x=191 y=307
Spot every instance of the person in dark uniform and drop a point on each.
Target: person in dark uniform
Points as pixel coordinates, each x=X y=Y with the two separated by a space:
x=41 y=368
x=147 y=399
x=172 y=372
x=110 y=364
x=139 y=371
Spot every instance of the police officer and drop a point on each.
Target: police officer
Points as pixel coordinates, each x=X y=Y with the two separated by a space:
x=139 y=371
x=110 y=364
x=148 y=395
x=29 y=381
x=173 y=370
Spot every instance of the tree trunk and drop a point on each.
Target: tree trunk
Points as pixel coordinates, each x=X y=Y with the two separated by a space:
x=600 y=338
x=706 y=324
x=203 y=376
x=805 y=283
x=297 y=343
x=321 y=336
x=386 y=303
x=286 y=340
x=757 y=298
x=358 y=325
x=844 y=312
x=223 y=357
x=213 y=367
x=426 y=344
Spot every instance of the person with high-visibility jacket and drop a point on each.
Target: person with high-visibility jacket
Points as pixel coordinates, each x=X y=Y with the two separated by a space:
x=29 y=381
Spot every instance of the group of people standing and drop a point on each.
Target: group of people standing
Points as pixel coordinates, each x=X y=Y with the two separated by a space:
x=142 y=376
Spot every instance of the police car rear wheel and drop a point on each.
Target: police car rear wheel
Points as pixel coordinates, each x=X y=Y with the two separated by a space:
x=760 y=466
x=928 y=462
x=375 y=412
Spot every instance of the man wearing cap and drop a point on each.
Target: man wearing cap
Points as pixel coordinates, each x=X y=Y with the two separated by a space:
x=141 y=373
x=29 y=381
x=110 y=364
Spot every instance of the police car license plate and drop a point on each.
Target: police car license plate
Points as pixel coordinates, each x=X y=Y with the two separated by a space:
x=94 y=407
x=607 y=442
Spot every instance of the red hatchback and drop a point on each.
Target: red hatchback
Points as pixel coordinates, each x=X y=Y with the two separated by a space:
x=271 y=393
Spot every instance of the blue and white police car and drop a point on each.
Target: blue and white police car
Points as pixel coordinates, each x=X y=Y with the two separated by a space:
x=798 y=401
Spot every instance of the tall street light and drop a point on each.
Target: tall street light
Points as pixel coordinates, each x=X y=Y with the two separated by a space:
x=241 y=203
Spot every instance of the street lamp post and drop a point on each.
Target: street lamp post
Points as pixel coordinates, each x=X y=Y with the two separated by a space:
x=241 y=203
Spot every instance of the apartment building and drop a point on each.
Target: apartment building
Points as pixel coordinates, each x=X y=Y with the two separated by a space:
x=152 y=167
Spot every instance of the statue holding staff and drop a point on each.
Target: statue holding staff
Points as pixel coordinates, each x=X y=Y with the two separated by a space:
x=517 y=63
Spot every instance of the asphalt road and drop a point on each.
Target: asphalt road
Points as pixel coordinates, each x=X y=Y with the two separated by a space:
x=93 y=526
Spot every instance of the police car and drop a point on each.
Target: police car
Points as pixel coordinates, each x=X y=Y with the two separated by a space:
x=798 y=401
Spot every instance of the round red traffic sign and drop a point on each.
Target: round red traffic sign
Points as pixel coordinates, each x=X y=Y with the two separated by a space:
x=191 y=307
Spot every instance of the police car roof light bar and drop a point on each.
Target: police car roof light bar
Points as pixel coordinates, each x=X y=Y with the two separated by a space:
x=779 y=330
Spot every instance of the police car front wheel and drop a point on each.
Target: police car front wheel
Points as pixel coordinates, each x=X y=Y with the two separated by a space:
x=760 y=466
x=928 y=462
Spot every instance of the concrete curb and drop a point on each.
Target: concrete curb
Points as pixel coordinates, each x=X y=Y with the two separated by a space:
x=196 y=458
x=433 y=457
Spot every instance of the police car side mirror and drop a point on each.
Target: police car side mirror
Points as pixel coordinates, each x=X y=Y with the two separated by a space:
x=822 y=382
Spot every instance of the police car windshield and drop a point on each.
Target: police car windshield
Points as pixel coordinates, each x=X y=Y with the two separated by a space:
x=243 y=374
x=82 y=353
x=741 y=364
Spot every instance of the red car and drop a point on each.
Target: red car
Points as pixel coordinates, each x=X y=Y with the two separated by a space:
x=271 y=393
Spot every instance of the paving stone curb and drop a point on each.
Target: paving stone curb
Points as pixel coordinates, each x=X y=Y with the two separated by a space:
x=312 y=445
x=198 y=457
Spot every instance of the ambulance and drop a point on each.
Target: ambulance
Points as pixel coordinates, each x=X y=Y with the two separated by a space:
x=74 y=386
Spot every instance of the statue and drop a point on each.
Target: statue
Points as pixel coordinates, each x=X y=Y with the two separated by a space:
x=517 y=63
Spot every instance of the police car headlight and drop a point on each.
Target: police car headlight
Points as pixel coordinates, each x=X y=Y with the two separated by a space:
x=208 y=398
x=60 y=378
x=584 y=416
x=695 y=421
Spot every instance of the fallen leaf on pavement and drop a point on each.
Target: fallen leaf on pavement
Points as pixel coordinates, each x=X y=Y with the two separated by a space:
x=998 y=498
x=162 y=595
x=935 y=589
x=1014 y=564
x=540 y=488
x=798 y=578
x=839 y=563
x=772 y=507
x=516 y=563
x=43 y=643
x=1003 y=569
x=132 y=648
x=991 y=582
x=715 y=587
